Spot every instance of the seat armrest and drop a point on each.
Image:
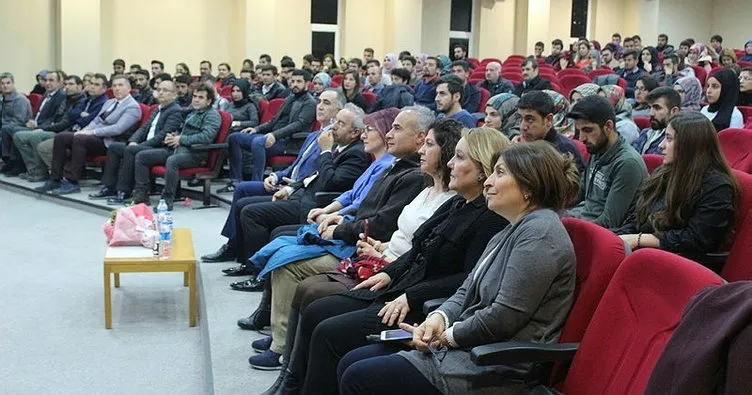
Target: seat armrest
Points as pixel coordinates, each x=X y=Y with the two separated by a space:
x=209 y=147
x=433 y=304
x=300 y=135
x=507 y=353
x=324 y=198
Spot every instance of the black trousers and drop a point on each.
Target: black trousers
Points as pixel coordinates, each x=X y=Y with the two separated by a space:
x=172 y=162
x=80 y=146
x=121 y=162
x=257 y=219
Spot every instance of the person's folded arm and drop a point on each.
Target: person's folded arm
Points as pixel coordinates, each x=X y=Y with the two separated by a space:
x=629 y=176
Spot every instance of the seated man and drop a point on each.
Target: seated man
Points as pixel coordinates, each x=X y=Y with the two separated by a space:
x=615 y=170
x=201 y=126
x=94 y=101
x=536 y=111
x=329 y=104
x=630 y=72
x=144 y=94
x=470 y=94
x=269 y=87
x=118 y=116
x=183 y=91
x=397 y=95
x=205 y=70
x=664 y=103
x=425 y=91
x=556 y=47
x=53 y=98
x=607 y=57
x=66 y=117
x=448 y=97
x=408 y=63
x=270 y=138
x=531 y=80
x=338 y=168
x=494 y=82
x=117 y=179
x=15 y=112
x=374 y=83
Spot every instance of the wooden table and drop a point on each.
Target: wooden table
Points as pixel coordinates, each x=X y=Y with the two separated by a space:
x=141 y=260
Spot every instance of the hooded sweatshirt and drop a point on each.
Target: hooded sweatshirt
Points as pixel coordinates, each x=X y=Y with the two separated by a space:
x=15 y=110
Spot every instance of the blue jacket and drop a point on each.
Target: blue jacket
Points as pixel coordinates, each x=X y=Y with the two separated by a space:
x=351 y=199
x=308 y=165
x=306 y=245
x=463 y=117
x=92 y=107
x=470 y=100
x=642 y=139
x=394 y=95
x=425 y=92
x=631 y=77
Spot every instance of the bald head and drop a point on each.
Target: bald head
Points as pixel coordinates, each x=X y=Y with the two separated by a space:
x=166 y=93
x=493 y=72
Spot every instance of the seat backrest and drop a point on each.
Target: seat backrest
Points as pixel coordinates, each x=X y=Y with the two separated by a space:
x=570 y=71
x=484 y=96
x=652 y=161
x=145 y=113
x=642 y=122
x=226 y=92
x=738 y=266
x=622 y=83
x=263 y=106
x=337 y=78
x=583 y=151
x=599 y=72
x=110 y=94
x=599 y=252
x=489 y=60
x=701 y=74
x=636 y=317
x=274 y=106
x=35 y=99
x=370 y=97
x=736 y=145
x=572 y=81
x=746 y=112
x=224 y=131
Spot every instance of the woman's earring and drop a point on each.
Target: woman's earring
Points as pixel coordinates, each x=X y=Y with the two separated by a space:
x=526 y=196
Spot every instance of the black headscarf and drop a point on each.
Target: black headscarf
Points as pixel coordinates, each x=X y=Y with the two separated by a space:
x=245 y=88
x=726 y=102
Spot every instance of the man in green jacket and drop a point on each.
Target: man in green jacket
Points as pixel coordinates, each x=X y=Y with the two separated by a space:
x=615 y=170
x=200 y=126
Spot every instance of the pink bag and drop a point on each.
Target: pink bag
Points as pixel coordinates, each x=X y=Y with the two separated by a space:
x=132 y=226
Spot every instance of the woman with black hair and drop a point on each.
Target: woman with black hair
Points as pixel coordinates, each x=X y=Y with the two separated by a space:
x=643 y=87
x=650 y=63
x=722 y=93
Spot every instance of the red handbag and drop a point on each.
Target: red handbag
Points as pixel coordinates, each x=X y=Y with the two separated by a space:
x=362 y=267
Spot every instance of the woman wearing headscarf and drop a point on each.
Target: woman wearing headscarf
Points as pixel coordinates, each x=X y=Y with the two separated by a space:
x=562 y=124
x=722 y=93
x=389 y=64
x=321 y=82
x=624 y=123
x=747 y=52
x=595 y=61
x=583 y=90
x=690 y=90
x=420 y=62
x=243 y=109
x=698 y=56
x=446 y=64
x=501 y=114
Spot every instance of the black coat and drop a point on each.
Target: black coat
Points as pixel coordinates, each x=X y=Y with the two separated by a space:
x=170 y=121
x=536 y=84
x=68 y=111
x=385 y=201
x=47 y=114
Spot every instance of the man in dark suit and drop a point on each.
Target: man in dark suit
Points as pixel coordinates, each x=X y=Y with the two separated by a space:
x=306 y=164
x=269 y=87
x=532 y=81
x=47 y=113
x=117 y=179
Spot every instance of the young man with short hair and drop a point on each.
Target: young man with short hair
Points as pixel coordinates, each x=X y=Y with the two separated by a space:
x=470 y=94
x=367 y=54
x=539 y=48
x=532 y=81
x=425 y=90
x=663 y=45
x=269 y=87
x=607 y=57
x=205 y=72
x=15 y=112
x=459 y=52
x=665 y=103
x=448 y=101
x=144 y=94
x=630 y=72
x=556 y=47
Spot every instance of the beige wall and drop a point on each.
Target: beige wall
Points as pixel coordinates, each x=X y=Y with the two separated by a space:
x=692 y=19
x=435 y=18
x=731 y=19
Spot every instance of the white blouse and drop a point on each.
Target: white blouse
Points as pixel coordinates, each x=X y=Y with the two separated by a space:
x=737 y=121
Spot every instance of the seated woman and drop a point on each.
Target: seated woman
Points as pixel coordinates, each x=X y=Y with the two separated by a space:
x=521 y=289
x=321 y=82
x=351 y=89
x=690 y=90
x=643 y=86
x=444 y=250
x=582 y=61
x=243 y=110
x=502 y=115
x=650 y=63
x=624 y=123
x=698 y=56
x=329 y=65
x=723 y=92
x=583 y=90
x=562 y=124
x=438 y=149
x=728 y=57
x=688 y=205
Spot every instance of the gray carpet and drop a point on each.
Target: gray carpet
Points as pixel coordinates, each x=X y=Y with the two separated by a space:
x=53 y=338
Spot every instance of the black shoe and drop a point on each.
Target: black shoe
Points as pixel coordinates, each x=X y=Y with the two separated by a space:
x=237 y=271
x=252 y=285
x=104 y=193
x=140 y=197
x=256 y=321
x=119 y=199
x=223 y=254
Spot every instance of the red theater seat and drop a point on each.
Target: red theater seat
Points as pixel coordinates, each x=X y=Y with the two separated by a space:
x=652 y=161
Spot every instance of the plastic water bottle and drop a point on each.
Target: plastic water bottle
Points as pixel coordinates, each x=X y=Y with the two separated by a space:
x=164 y=223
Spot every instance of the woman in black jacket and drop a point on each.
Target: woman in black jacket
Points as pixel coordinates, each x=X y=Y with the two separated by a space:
x=351 y=89
x=445 y=249
x=245 y=114
x=688 y=205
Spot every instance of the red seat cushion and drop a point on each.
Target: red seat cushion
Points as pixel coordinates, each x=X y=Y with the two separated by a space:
x=736 y=145
x=652 y=161
x=159 y=171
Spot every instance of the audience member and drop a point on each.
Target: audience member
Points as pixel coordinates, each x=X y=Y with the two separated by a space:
x=270 y=88
x=205 y=70
x=265 y=60
x=607 y=57
x=119 y=171
x=67 y=116
x=367 y=54
x=538 y=49
x=143 y=92
x=425 y=91
x=690 y=91
x=556 y=47
x=628 y=46
x=716 y=46
x=631 y=72
x=375 y=80
x=321 y=82
x=305 y=165
x=663 y=46
x=637 y=43
x=688 y=205
x=408 y=63
x=625 y=126
x=248 y=75
x=182 y=69
x=47 y=114
x=722 y=93
x=584 y=90
x=521 y=289
x=745 y=87
x=117 y=116
x=389 y=64
x=650 y=63
x=316 y=66
x=329 y=65
x=536 y=111
x=698 y=56
x=494 y=82
x=459 y=52
x=39 y=86
x=502 y=115
x=562 y=124
x=747 y=52
x=643 y=87
x=531 y=80
x=615 y=170
x=728 y=57
x=287 y=66
x=664 y=104
x=201 y=126
x=118 y=67
x=225 y=77
x=244 y=110
x=671 y=70
x=470 y=100
x=582 y=60
x=15 y=113
x=397 y=95
x=448 y=98
x=183 y=90
x=157 y=68
x=351 y=89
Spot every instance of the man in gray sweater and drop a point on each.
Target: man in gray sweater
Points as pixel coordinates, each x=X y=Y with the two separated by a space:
x=15 y=111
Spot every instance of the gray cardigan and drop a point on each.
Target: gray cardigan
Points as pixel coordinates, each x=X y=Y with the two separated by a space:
x=523 y=292
x=15 y=110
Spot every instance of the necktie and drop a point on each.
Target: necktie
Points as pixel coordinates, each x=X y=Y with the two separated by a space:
x=296 y=169
x=153 y=128
x=109 y=111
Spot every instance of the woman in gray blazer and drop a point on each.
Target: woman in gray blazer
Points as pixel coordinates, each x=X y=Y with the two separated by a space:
x=521 y=289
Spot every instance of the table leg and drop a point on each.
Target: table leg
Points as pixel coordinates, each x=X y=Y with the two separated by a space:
x=185 y=279
x=107 y=300
x=192 y=289
x=117 y=280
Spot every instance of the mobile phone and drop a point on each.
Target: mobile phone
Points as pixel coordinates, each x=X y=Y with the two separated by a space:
x=365 y=229
x=391 y=335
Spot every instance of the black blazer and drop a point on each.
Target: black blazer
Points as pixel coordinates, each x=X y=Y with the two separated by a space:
x=336 y=173
x=536 y=84
x=169 y=121
x=48 y=112
x=385 y=201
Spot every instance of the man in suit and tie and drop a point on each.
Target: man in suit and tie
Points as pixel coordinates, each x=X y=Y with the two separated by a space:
x=54 y=96
x=118 y=116
x=118 y=177
x=329 y=104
